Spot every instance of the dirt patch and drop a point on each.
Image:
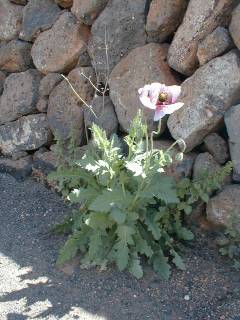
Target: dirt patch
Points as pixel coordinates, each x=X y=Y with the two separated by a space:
x=32 y=287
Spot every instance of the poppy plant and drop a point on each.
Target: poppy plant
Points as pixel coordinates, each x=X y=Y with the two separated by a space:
x=161 y=98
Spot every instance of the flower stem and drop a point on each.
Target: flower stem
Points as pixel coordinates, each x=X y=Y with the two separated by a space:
x=155 y=133
x=179 y=141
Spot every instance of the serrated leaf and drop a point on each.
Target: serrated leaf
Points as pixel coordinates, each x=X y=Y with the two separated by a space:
x=95 y=246
x=78 y=222
x=118 y=215
x=125 y=239
x=125 y=234
x=103 y=179
x=135 y=167
x=100 y=138
x=64 y=227
x=153 y=226
x=132 y=216
x=98 y=220
x=124 y=178
x=142 y=246
x=188 y=210
x=162 y=188
x=94 y=167
x=116 y=142
x=83 y=194
x=122 y=255
x=135 y=268
x=204 y=197
x=70 y=249
x=161 y=266
x=177 y=260
x=137 y=129
x=72 y=175
x=184 y=233
x=111 y=198
x=98 y=167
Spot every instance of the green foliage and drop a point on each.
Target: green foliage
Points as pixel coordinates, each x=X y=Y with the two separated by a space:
x=230 y=242
x=191 y=191
x=65 y=149
x=128 y=208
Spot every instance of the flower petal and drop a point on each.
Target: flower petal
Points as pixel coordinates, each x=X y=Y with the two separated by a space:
x=145 y=89
x=144 y=96
x=175 y=92
x=155 y=89
x=170 y=108
x=147 y=102
x=159 y=114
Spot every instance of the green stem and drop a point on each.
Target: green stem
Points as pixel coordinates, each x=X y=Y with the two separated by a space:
x=146 y=137
x=136 y=196
x=147 y=160
x=177 y=142
x=155 y=133
x=123 y=189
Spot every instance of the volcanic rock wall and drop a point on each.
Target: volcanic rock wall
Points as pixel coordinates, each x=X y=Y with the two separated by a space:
x=119 y=46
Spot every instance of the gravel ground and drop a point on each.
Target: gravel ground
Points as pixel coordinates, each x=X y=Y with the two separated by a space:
x=32 y=288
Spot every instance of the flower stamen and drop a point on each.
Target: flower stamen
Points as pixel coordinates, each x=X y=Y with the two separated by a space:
x=163 y=97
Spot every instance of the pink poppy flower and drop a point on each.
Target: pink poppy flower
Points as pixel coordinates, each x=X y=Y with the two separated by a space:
x=161 y=98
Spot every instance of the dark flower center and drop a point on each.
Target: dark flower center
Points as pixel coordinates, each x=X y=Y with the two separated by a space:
x=162 y=97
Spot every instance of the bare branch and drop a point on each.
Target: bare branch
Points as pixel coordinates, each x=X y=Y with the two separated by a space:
x=79 y=97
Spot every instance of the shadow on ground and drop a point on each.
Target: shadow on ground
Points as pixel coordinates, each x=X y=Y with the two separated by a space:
x=32 y=288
